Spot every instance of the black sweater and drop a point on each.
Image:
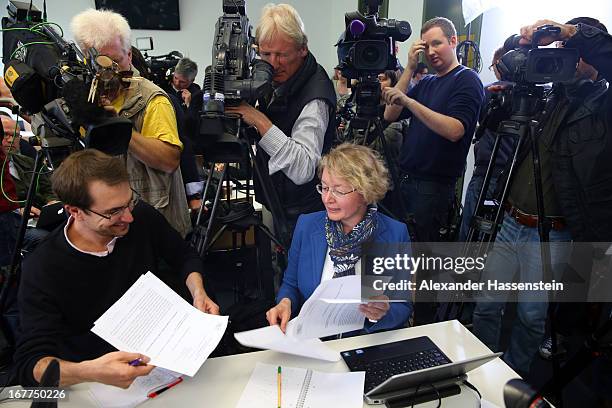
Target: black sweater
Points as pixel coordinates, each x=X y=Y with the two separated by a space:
x=63 y=291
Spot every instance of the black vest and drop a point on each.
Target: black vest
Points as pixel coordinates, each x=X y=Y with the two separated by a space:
x=283 y=108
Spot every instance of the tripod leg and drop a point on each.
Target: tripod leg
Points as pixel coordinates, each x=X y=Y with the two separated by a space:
x=204 y=241
x=278 y=216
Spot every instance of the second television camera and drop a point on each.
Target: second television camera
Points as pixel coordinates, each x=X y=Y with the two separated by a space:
x=529 y=64
x=366 y=49
x=53 y=80
x=234 y=75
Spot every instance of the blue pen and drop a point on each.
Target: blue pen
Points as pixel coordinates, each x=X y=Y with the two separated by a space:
x=136 y=362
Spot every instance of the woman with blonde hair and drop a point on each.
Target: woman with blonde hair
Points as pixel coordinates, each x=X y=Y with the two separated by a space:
x=327 y=244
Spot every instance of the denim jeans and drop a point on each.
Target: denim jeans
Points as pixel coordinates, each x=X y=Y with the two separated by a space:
x=512 y=254
x=429 y=203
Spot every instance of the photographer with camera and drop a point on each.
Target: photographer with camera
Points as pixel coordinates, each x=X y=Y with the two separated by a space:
x=443 y=111
x=154 y=150
x=575 y=145
x=296 y=121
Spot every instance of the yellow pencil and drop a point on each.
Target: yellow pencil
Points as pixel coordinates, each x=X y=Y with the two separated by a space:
x=278 y=383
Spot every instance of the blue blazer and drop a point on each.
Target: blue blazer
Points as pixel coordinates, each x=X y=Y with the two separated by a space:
x=307 y=256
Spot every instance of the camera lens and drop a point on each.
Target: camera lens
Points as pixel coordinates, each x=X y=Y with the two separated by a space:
x=549 y=66
x=370 y=55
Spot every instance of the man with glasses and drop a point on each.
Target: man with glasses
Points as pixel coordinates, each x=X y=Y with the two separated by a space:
x=79 y=271
x=154 y=152
x=296 y=121
x=20 y=168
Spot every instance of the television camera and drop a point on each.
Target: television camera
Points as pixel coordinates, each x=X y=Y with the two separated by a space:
x=62 y=87
x=367 y=48
x=162 y=66
x=235 y=75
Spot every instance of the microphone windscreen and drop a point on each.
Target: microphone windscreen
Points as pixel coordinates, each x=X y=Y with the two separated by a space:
x=357 y=27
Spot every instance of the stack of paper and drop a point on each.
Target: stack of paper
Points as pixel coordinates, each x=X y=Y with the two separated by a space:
x=272 y=338
x=330 y=310
x=302 y=388
x=153 y=320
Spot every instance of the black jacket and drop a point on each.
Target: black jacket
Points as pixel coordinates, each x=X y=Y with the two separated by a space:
x=582 y=143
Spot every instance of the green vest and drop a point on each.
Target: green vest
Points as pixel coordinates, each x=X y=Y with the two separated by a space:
x=163 y=191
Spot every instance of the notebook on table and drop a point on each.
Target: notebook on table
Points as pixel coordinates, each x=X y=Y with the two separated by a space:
x=301 y=388
x=396 y=369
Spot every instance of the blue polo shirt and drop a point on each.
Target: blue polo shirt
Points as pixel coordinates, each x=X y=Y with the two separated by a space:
x=427 y=155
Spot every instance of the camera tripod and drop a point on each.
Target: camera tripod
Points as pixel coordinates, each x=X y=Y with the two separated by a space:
x=233 y=146
x=529 y=108
x=367 y=120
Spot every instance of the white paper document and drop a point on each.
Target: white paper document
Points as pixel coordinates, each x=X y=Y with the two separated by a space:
x=108 y=396
x=302 y=388
x=151 y=319
x=272 y=338
x=321 y=316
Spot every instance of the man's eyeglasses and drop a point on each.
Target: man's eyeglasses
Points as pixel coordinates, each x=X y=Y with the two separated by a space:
x=119 y=211
x=336 y=193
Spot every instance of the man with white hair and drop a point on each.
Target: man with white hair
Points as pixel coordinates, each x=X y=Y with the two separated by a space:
x=154 y=151
x=293 y=121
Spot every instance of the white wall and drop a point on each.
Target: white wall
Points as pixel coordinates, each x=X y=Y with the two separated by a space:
x=412 y=12
x=323 y=19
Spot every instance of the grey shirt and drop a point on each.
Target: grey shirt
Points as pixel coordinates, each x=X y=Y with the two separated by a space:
x=298 y=156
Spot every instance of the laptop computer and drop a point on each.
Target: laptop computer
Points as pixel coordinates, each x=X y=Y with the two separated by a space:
x=51 y=216
x=402 y=368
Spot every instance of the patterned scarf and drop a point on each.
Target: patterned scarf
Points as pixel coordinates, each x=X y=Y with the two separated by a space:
x=345 y=249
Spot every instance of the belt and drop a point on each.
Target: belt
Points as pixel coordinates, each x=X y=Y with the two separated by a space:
x=530 y=220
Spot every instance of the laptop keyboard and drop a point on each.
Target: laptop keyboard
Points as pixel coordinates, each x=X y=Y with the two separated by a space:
x=378 y=371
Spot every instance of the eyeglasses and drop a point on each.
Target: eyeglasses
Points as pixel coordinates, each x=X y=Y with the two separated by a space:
x=282 y=56
x=119 y=211
x=492 y=67
x=336 y=193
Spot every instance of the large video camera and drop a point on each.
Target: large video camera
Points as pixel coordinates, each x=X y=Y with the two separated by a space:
x=234 y=75
x=53 y=80
x=162 y=67
x=533 y=65
x=528 y=66
x=366 y=49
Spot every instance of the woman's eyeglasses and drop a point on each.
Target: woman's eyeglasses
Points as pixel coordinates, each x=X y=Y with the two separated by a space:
x=321 y=189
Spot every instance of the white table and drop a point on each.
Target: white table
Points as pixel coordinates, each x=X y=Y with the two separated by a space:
x=220 y=381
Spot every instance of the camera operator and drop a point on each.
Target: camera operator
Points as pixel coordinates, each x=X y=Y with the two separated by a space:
x=443 y=111
x=154 y=150
x=483 y=149
x=296 y=122
x=575 y=150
